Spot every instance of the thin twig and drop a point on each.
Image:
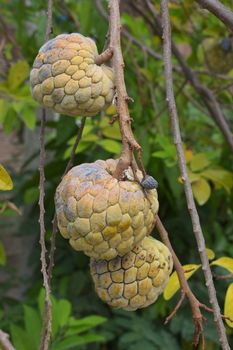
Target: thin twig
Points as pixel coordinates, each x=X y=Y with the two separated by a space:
x=219 y=10
x=185 y=289
x=54 y=221
x=5 y=343
x=47 y=319
x=183 y=170
x=205 y=93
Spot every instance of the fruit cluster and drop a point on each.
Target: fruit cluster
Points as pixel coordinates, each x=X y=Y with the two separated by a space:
x=110 y=220
x=66 y=79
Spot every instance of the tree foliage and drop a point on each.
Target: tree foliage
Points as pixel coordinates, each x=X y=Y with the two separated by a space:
x=196 y=33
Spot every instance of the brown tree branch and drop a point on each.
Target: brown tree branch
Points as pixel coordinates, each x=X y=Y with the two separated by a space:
x=183 y=170
x=219 y=10
x=54 y=221
x=122 y=98
x=185 y=289
x=47 y=319
x=205 y=93
x=104 y=56
x=5 y=343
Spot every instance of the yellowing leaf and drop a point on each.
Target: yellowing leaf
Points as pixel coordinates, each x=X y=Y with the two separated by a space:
x=111 y=110
x=210 y=253
x=228 y=305
x=6 y=183
x=17 y=74
x=199 y=162
x=220 y=177
x=188 y=155
x=173 y=285
x=225 y=262
x=193 y=176
x=201 y=191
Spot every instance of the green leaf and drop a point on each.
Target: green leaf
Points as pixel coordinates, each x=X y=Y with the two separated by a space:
x=228 y=306
x=173 y=285
x=21 y=340
x=29 y=118
x=225 y=262
x=110 y=146
x=6 y=183
x=31 y=195
x=4 y=106
x=201 y=190
x=17 y=74
x=112 y=132
x=2 y=255
x=32 y=324
x=85 y=324
x=64 y=310
x=199 y=162
x=74 y=341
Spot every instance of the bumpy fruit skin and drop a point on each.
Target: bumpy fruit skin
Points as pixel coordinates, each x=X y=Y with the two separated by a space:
x=66 y=79
x=135 y=280
x=100 y=215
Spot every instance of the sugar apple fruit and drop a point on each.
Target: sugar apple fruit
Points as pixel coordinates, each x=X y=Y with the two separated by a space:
x=136 y=279
x=100 y=215
x=66 y=79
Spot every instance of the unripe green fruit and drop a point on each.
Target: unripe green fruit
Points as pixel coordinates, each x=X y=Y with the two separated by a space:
x=100 y=215
x=136 y=279
x=66 y=79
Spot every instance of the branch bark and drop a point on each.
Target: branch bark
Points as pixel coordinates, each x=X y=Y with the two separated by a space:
x=184 y=174
x=122 y=98
x=205 y=93
x=219 y=10
x=54 y=221
x=47 y=319
x=5 y=343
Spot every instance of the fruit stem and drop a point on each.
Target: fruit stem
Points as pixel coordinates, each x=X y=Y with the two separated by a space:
x=122 y=99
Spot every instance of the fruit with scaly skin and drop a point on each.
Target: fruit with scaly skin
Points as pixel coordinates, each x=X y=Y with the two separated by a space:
x=100 y=215
x=66 y=79
x=135 y=280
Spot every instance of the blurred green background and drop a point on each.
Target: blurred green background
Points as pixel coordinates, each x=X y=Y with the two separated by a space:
x=81 y=320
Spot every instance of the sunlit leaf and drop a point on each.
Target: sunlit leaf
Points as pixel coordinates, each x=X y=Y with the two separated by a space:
x=201 y=191
x=111 y=110
x=225 y=262
x=228 y=306
x=193 y=176
x=112 y=133
x=199 y=162
x=17 y=74
x=110 y=146
x=210 y=253
x=220 y=177
x=6 y=183
x=188 y=154
x=173 y=285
